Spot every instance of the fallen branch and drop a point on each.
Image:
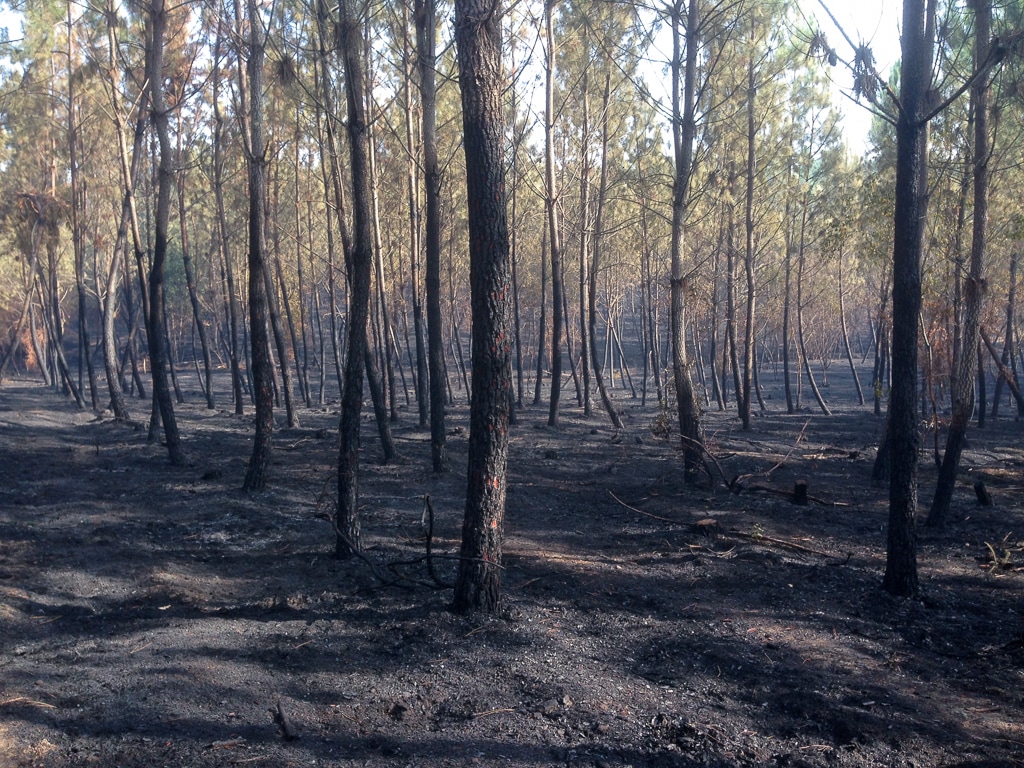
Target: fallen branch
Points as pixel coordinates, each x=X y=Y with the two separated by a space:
x=489 y=712
x=29 y=702
x=228 y=743
x=762 y=539
x=736 y=483
x=356 y=551
x=793 y=495
x=640 y=511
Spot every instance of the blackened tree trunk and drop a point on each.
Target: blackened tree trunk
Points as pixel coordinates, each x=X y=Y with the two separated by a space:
x=800 y=336
x=78 y=208
x=426 y=43
x=190 y=280
x=908 y=217
x=359 y=261
x=119 y=255
x=1011 y=300
x=274 y=313
x=585 y=243
x=684 y=129
x=156 y=23
x=231 y=297
x=256 y=162
x=749 y=254
x=542 y=322
x=409 y=66
x=966 y=362
x=554 y=228
x=595 y=267
x=787 y=303
x=478 y=39
x=982 y=388
x=846 y=333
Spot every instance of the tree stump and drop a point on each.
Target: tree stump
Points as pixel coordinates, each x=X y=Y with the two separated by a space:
x=800 y=493
x=984 y=497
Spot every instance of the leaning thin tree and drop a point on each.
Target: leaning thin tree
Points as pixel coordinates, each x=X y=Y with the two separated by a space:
x=478 y=39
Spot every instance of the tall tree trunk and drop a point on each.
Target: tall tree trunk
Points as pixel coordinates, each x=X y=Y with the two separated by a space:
x=118 y=254
x=415 y=242
x=982 y=388
x=801 y=338
x=156 y=23
x=303 y=293
x=518 y=136
x=381 y=378
x=387 y=372
x=190 y=281
x=730 y=287
x=786 y=332
x=1008 y=336
x=908 y=216
x=334 y=189
x=974 y=285
x=651 y=353
x=426 y=43
x=554 y=226
x=359 y=261
x=231 y=299
x=300 y=372
x=748 y=254
x=329 y=172
x=78 y=203
x=595 y=267
x=251 y=96
x=585 y=242
x=846 y=334
x=542 y=321
x=276 y=300
x=684 y=129
x=716 y=388
x=478 y=40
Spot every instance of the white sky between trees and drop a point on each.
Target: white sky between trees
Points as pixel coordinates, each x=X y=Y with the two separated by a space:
x=876 y=22
x=873 y=21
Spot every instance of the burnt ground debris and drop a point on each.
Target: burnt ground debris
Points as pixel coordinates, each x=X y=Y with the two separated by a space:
x=151 y=615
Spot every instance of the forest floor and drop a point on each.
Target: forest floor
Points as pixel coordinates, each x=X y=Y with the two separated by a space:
x=155 y=616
